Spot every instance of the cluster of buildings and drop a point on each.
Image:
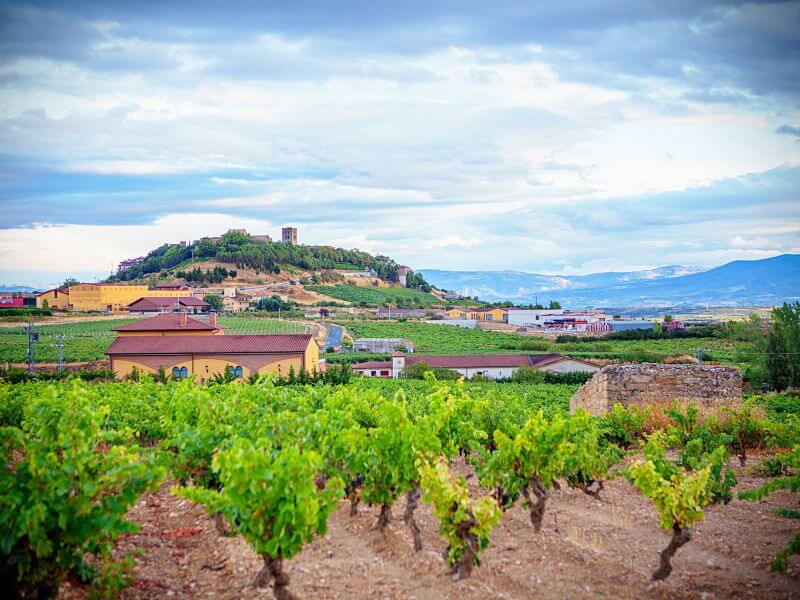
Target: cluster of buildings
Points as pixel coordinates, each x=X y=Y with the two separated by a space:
x=489 y=366
x=181 y=346
x=140 y=299
x=548 y=319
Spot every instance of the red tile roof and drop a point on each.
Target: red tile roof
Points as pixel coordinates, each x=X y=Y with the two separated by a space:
x=168 y=322
x=456 y=361
x=66 y=291
x=164 y=302
x=486 y=360
x=375 y=364
x=210 y=344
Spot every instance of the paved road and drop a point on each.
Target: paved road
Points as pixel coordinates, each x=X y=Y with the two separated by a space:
x=334 y=336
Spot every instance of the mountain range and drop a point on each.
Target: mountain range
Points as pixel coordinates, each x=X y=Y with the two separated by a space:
x=18 y=288
x=740 y=283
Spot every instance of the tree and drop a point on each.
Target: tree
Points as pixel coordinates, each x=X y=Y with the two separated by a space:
x=68 y=282
x=783 y=347
x=668 y=318
x=555 y=305
x=215 y=301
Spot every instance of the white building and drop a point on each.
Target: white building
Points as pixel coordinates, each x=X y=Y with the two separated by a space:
x=491 y=366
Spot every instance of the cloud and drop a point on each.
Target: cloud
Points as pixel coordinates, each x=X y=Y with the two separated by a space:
x=524 y=135
x=787 y=129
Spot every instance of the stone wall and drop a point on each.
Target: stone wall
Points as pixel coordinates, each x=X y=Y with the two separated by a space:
x=649 y=383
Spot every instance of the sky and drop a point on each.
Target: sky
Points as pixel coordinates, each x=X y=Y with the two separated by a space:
x=554 y=137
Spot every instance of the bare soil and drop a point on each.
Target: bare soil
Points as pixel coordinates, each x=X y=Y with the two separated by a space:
x=586 y=549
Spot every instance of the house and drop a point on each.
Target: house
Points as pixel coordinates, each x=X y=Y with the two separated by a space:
x=171 y=324
x=12 y=302
x=382 y=345
x=289 y=235
x=55 y=298
x=205 y=356
x=491 y=366
x=477 y=314
x=159 y=304
x=235 y=303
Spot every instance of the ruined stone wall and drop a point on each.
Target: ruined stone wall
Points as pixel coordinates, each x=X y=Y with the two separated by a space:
x=649 y=383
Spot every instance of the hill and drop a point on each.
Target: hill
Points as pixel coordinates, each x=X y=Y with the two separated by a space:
x=739 y=283
x=305 y=274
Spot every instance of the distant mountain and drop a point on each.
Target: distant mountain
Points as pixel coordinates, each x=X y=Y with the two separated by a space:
x=17 y=288
x=739 y=283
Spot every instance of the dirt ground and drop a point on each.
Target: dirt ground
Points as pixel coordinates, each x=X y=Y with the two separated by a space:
x=586 y=549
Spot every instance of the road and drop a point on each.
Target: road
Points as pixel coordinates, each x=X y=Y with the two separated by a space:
x=334 y=336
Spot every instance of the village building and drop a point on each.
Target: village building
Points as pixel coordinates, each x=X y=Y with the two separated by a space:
x=55 y=298
x=159 y=304
x=490 y=366
x=13 y=302
x=206 y=356
x=112 y=297
x=183 y=347
x=477 y=314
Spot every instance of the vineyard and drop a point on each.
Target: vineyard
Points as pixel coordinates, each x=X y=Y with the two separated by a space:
x=377 y=488
x=372 y=296
x=444 y=339
x=88 y=340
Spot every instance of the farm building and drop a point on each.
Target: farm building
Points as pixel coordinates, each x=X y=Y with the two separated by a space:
x=112 y=297
x=382 y=344
x=477 y=314
x=159 y=304
x=205 y=356
x=491 y=366
x=171 y=324
x=12 y=302
x=55 y=298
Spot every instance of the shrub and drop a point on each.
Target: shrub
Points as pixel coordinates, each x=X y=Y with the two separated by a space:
x=67 y=484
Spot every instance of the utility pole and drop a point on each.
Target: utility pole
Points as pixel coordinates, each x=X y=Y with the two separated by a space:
x=60 y=346
x=699 y=356
x=32 y=337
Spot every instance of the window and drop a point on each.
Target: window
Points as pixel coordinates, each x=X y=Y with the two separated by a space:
x=184 y=372
x=176 y=372
x=238 y=372
x=180 y=373
x=384 y=373
x=373 y=373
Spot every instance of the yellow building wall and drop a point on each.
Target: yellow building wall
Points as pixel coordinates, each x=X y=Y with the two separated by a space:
x=60 y=301
x=112 y=297
x=498 y=314
x=205 y=369
x=282 y=367
x=312 y=356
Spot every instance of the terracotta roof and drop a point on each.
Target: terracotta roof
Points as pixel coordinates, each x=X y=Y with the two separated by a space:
x=210 y=344
x=162 y=302
x=486 y=360
x=168 y=322
x=375 y=364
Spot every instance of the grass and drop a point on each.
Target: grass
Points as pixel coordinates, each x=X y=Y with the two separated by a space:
x=88 y=340
x=373 y=296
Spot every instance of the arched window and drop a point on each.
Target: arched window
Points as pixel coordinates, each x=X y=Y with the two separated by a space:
x=238 y=371
x=176 y=372
x=184 y=372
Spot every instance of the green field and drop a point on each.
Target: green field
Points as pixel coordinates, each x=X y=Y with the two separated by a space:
x=373 y=296
x=445 y=339
x=88 y=340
